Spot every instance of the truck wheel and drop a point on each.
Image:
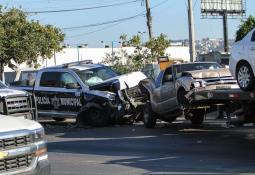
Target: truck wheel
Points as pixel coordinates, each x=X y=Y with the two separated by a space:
x=245 y=77
x=149 y=118
x=197 y=117
x=182 y=100
x=97 y=117
x=59 y=119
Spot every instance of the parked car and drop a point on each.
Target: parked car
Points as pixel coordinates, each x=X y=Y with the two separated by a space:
x=17 y=103
x=22 y=147
x=242 y=61
x=92 y=93
x=167 y=95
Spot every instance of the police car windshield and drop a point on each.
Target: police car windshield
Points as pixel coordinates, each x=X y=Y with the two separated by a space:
x=96 y=75
x=2 y=85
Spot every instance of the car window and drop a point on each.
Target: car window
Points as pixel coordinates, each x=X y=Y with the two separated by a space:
x=50 y=79
x=95 y=76
x=67 y=78
x=27 y=79
x=167 y=75
x=253 y=37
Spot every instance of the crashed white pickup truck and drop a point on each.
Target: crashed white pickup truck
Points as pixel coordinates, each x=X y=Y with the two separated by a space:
x=23 y=148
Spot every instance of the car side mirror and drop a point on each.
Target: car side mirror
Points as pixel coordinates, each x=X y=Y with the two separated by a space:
x=73 y=86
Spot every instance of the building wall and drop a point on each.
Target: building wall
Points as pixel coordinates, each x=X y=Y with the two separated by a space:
x=97 y=55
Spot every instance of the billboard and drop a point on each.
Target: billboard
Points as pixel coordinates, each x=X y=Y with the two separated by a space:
x=218 y=7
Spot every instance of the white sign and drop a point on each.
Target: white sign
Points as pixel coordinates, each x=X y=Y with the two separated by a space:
x=216 y=6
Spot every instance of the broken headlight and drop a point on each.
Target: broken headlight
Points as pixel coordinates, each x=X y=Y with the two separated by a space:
x=198 y=84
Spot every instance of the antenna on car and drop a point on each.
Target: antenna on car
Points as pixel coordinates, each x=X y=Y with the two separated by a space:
x=66 y=65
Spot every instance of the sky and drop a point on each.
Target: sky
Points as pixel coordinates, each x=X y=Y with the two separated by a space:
x=168 y=17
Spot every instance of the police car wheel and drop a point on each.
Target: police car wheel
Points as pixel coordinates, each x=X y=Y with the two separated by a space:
x=59 y=119
x=97 y=117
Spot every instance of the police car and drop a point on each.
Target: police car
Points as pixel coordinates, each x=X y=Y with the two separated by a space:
x=92 y=93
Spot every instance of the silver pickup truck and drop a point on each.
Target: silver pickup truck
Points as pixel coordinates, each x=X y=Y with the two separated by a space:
x=170 y=95
x=23 y=148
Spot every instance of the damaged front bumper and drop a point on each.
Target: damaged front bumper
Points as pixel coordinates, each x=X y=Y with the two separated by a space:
x=212 y=95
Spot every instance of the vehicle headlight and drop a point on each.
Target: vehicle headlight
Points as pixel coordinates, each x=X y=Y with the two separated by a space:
x=110 y=96
x=196 y=84
x=38 y=135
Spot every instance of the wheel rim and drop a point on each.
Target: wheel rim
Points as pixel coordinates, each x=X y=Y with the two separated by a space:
x=244 y=76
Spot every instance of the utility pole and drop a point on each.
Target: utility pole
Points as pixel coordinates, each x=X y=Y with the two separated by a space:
x=225 y=29
x=191 y=32
x=149 y=18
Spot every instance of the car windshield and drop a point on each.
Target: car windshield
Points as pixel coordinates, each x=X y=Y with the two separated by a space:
x=2 y=85
x=96 y=75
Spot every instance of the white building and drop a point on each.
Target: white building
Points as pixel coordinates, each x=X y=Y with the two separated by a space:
x=97 y=55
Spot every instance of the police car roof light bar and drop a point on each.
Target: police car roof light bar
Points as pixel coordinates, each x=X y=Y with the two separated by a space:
x=78 y=63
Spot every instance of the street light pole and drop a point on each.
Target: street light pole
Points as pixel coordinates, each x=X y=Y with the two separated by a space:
x=112 y=45
x=142 y=33
x=191 y=32
x=78 y=52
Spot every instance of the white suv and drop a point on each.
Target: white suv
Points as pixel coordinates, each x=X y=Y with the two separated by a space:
x=242 y=61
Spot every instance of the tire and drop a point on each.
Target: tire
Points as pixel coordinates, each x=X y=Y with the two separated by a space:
x=197 y=117
x=182 y=100
x=245 y=77
x=97 y=117
x=149 y=118
x=59 y=119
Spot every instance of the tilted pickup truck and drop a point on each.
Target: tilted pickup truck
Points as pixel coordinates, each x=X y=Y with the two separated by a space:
x=23 y=148
x=93 y=93
x=17 y=103
x=171 y=93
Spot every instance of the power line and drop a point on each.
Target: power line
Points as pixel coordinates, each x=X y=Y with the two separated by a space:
x=103 y=23
x=112 y=21
x=80 y=9
x=107 y=27
x=95 y=31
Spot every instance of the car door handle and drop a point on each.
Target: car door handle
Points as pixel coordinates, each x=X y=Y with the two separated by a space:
x=253 y=49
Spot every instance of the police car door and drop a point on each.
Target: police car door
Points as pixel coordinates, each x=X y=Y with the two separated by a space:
x=58 y=94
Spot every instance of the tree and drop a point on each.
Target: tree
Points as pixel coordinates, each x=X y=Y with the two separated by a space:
x=245 y=27
x=22 y=40
x=142 y=55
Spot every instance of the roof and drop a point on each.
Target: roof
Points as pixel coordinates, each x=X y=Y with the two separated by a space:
x=199 y=62
x=83 y=65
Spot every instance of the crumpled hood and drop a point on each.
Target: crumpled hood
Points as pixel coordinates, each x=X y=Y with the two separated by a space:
x=202 y=74
x=9 y=123
x=5 y=92
x=131 y=80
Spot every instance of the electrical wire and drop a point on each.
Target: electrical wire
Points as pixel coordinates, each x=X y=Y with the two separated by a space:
x=105 y=28
x=102 y=23
x=112 y=21
x=81 y=9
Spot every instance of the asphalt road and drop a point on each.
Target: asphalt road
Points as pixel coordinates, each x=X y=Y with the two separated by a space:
x=167 y=149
